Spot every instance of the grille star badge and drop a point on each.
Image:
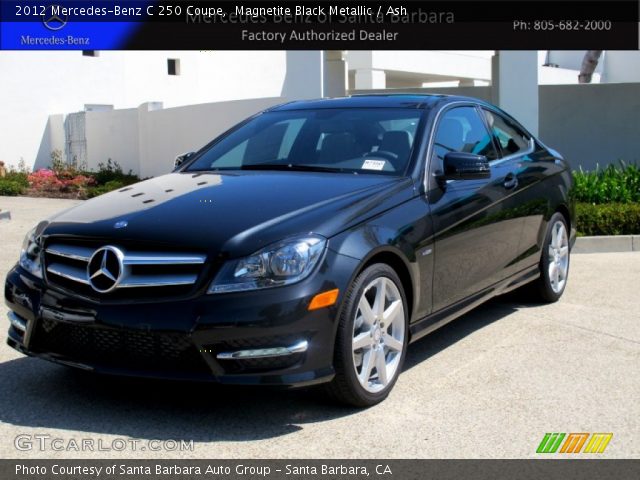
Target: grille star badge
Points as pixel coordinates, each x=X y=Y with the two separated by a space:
x=105 y=269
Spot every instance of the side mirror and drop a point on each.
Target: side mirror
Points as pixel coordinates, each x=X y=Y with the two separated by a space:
x=465 y=166
x=180 y=159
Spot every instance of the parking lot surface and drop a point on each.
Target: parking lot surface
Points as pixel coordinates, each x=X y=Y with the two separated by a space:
x=488 y=385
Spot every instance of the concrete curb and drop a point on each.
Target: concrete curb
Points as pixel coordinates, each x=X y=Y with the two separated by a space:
x=607 y=244
x=5 y=215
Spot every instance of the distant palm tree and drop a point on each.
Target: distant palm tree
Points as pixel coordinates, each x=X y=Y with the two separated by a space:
x=589 y=64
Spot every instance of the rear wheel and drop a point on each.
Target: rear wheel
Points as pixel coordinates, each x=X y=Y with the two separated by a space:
x=554 y=261
x=372 y=338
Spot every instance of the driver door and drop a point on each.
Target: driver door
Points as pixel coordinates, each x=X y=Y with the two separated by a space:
x=475 y=238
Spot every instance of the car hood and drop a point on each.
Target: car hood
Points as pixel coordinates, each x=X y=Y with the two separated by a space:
x=231 y=214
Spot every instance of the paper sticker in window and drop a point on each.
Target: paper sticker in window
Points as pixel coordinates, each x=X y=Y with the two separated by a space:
x=373 y=165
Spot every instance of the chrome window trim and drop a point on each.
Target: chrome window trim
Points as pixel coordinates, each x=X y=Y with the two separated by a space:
x=466 y=103
x=448 y=106
x=532 y=144
x=529 y=150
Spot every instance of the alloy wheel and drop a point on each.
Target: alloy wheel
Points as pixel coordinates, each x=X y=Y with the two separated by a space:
x=558 y=256
x=378 y=334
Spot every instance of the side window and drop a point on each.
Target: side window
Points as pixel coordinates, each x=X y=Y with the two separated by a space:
x=510 y=138
x=462 y=130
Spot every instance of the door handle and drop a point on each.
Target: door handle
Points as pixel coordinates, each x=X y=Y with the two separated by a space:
x=510 y=181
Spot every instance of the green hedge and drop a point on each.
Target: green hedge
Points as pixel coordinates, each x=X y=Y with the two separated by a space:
x=10 y=187
x=613 y=184
x=107 y=187
x=21 y=178
x=608 y=219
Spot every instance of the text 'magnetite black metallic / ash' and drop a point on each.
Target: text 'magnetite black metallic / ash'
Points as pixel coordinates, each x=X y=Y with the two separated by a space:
x=309 y=244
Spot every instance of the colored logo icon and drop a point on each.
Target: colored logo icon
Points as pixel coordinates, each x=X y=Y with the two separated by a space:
x=574 y=443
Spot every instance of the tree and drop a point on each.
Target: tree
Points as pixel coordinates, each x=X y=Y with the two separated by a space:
x=589 y=64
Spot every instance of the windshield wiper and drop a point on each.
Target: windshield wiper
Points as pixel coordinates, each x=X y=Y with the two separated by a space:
x=290 y=167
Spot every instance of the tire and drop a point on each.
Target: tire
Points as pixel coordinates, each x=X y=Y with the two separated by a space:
x=554 y=261
x=366 y=337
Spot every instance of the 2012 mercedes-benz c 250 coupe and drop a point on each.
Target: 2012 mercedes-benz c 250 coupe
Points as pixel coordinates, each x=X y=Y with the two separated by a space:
x=309 y=244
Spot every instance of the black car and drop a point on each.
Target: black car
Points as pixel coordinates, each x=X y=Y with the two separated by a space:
x=309 y=244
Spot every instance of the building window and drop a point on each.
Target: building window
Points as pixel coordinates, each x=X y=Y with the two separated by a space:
x=90 y=53
x=173 y=66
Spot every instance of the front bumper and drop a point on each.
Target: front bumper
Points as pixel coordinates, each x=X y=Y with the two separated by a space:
x=265 y=337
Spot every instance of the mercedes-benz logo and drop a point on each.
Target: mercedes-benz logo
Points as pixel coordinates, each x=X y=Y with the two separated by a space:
x=105 y=268
x=52 y=21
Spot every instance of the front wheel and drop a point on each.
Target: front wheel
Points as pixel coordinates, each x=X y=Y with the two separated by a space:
x=554 y=261
x=372 y=338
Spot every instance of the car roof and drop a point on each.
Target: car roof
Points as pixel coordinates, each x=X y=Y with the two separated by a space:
x=385 y=100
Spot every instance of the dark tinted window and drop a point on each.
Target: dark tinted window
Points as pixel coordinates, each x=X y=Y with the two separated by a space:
x=510 y=138
x=373 y=140
x=462 y=130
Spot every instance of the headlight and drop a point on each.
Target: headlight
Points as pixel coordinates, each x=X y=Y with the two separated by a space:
x=30 y=254
x=282 y=264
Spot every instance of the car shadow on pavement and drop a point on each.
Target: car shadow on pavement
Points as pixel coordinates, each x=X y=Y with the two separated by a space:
x=39 y=394
x=451 y=333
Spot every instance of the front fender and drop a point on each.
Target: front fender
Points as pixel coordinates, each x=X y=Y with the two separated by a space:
x=402 y=235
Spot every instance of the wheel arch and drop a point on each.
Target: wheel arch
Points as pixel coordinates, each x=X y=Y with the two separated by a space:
x=564 y=210
x=399 y=264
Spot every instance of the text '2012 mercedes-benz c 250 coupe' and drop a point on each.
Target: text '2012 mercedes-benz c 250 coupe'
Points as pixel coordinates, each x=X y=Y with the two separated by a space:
x=309 y=244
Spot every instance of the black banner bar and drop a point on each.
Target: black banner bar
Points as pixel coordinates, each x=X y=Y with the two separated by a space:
x=572 y=469
x=267 y=25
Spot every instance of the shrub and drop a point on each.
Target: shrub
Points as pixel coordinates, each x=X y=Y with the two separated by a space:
x=58 y=165
x=107 y=187
x=614 y=184
x=19 y=177
x=45 y=180
x=48 y=181
x=608 y=219
x=10 y=187
x=111 y=171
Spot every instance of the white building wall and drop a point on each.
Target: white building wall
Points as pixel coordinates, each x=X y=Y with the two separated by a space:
x=615 y=66
x=147 y=139
x=460 y=63
x=621 y=66
x=164 y=134
x=34 y=85
x=113 y=135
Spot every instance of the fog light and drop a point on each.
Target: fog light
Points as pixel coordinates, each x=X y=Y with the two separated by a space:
x=18 y=322
x=264 y=352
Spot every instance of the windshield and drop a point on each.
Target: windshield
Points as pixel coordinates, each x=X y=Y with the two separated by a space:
x=366 y=140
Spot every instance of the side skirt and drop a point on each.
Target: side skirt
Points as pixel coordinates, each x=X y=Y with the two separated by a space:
x=433 y=321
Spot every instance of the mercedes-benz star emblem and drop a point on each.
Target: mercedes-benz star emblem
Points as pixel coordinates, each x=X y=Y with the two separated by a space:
x=105 y=268
x=53 y=20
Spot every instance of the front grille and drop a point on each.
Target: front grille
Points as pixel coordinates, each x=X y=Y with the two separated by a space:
x=118 y=348
x=129 y=273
